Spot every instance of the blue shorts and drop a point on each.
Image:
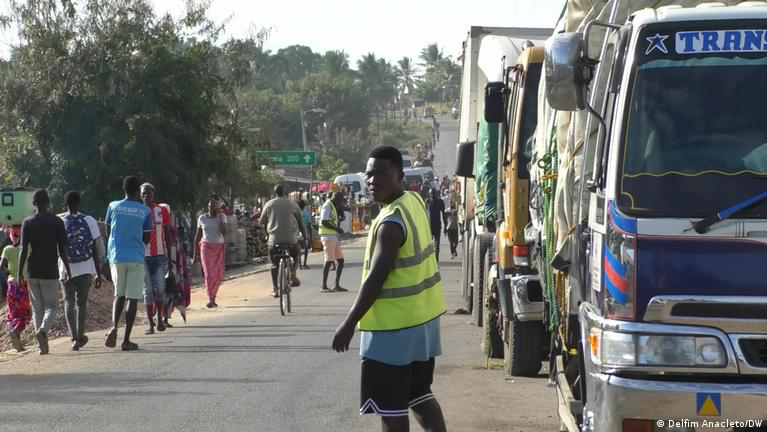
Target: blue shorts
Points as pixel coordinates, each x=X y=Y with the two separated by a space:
x=154 y=279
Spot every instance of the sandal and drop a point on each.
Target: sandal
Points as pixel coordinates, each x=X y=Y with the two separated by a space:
x=129 y=346
x=111 y=339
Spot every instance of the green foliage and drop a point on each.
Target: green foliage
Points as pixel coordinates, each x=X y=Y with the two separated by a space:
x=99 y=89
x=330 y=168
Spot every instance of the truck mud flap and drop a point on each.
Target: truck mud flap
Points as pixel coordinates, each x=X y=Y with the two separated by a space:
x=568 y=407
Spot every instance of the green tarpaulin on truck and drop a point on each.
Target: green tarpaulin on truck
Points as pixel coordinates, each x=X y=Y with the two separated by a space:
x=486 y=184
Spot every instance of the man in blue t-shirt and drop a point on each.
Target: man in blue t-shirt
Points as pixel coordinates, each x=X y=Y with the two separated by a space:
x=129 y=227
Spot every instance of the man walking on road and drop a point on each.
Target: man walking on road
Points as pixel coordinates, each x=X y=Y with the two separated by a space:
x=157 y=263
x=129 y=227
x=282 y=218
x=330 y=235
x=436 y=217
x=82 y=233
x=398 y=306
x=46 y=235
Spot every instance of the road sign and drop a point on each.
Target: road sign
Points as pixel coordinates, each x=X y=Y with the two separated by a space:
x=290 y=158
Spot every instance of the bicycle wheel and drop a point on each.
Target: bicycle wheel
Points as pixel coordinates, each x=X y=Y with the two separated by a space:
x=282 y=280
x=289 y=285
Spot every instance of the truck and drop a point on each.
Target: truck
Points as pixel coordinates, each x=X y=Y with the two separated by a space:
x=648 y=164
x=502 y=65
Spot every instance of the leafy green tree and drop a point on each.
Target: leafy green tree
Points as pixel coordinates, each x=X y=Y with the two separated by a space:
x=335 y=63
x=330 y=168
x=431 y=55
x=107 y=89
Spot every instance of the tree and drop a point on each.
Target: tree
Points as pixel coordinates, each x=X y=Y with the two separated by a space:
x=330 y=168
x=431 y=56
x=406 y=75
x=335 y=63
x=96 y=93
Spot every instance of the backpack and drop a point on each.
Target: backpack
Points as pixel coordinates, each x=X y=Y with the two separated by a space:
x=80 y=238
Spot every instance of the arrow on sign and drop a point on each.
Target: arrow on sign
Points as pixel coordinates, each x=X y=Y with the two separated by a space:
x=307 y=158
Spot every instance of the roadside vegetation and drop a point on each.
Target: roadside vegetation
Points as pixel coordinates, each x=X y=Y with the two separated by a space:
x=96 y=89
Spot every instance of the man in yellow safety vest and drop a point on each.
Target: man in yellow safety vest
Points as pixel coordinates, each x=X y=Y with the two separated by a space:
x=398 y=306
x=330 y=235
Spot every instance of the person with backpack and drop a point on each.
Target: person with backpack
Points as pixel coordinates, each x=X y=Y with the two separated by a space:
x=82 y=233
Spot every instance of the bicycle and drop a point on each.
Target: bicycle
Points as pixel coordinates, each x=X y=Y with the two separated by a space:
x=284 y=277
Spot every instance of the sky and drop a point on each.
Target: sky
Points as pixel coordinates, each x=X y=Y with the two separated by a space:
x=391 y=29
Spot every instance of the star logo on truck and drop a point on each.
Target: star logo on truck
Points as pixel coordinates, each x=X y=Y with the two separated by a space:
x=657 y=42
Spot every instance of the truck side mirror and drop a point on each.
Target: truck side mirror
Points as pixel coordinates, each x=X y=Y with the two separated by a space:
x=464 y=159
x=567 y=72
x=495 y=102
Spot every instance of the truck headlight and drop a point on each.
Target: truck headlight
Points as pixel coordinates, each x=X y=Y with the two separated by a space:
x=629 y=349
x=667 y=350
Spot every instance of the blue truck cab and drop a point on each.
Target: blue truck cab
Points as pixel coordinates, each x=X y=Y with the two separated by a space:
x=658 y=279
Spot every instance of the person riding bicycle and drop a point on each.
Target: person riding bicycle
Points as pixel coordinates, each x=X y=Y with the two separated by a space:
x=282 y=217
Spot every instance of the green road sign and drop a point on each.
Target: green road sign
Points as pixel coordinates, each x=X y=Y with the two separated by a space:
x=290 y=158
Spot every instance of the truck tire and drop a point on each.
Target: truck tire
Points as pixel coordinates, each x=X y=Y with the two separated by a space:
x=493 y=341
x=482 y=244
x=522 y=349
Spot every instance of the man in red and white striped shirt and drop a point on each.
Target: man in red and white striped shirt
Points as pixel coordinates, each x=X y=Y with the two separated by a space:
x=157 y=260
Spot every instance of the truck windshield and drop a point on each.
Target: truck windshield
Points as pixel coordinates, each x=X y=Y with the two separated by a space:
x=696 y=135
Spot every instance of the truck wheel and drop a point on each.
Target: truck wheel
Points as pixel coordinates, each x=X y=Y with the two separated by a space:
x=522 y=350
x=482 y=244
x=493 y=342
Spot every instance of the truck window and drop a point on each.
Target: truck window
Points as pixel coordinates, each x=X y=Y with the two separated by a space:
x=695 y=141
x=529 y=119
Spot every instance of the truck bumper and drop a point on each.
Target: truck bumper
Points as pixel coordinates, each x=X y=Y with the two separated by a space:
x=676 y=404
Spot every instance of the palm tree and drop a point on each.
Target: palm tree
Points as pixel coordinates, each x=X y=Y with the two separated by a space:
x=335 y=63
x=431 y=56
x=378 y=79
x=406 y=75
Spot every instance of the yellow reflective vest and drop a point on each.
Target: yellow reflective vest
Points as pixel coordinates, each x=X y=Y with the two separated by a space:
x=412 y=293
x=333 y=219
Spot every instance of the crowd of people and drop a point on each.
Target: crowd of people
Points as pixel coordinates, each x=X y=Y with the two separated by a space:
x=49 y=254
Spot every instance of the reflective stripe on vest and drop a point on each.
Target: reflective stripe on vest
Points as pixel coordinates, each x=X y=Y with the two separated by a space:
x=333 y=219
x=412 y=293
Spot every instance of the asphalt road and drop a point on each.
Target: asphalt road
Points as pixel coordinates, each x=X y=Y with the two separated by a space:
x=243 y=367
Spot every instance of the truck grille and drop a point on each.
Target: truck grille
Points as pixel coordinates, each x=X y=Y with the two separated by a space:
x=755 y=351
x=731 y=310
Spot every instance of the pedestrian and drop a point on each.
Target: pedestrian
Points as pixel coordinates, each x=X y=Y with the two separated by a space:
x=82 y=234
x=436 y=217
x=45 y=234
x=330 y=235
x=398 y=306
x=17 y=297
x=129 y=228
x=210 y=247
x=282 y=219
x=306 y=216
x=157 y=260
x=451 y=229
x=181 y=297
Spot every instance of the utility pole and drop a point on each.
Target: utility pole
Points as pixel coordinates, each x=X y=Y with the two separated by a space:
x=303 y=140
